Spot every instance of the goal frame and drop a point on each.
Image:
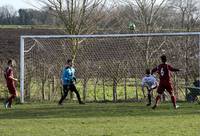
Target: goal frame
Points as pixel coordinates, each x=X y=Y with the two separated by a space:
x=22 y=45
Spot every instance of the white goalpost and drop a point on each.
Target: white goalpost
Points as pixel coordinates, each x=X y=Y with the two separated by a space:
x=106 y=57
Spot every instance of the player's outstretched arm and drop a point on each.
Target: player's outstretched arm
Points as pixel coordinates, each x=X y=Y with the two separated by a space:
x=173 y=69
x=154 y=70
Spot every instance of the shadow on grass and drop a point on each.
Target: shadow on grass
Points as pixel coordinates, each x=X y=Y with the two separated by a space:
x=44 y=111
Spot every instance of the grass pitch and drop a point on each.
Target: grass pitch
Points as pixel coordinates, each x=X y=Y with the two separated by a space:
x=95 y=119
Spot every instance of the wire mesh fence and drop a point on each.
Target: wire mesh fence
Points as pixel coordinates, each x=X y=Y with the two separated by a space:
x=109 y=67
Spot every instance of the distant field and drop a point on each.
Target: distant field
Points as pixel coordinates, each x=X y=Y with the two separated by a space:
x=30 y=26
x=105 y=119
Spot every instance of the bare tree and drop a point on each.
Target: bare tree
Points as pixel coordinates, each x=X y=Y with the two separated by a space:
x=7 y=14
x=146 y=15
x=77 y=16
x=189 y=13
x=188 y=10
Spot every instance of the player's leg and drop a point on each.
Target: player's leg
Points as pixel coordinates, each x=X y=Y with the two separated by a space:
x=10 y=100
x=6 y=103
x=170 y=91
x=65 y=93
x=150 y=93
x=143 y=92
x=160 y=91
x=13 y=94
x=149 y=96
x=73 y=89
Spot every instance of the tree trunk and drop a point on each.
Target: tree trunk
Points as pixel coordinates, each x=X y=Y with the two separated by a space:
x=27 y=90
x=84 y=89
x=43 y=91
x=114 y=90
x=125 y=89
x=53 y=86
x=49 y=90
x=186 y=68
x=104 y=91
x=176 y=87
x=95 y=87
x=136 y=89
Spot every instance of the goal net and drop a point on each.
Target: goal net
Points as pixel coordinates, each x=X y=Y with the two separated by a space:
x=108 y=67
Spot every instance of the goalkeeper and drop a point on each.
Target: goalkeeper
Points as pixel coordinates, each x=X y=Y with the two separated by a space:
x=150 y=83
x=68 y=78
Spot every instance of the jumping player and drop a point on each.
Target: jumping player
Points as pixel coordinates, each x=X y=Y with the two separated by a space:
x=164 y=71
x=10 y=81
x=150 y=83
x=68 y=78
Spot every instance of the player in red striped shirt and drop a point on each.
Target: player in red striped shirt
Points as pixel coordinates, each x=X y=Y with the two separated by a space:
x=164 y=70
x=10 y=81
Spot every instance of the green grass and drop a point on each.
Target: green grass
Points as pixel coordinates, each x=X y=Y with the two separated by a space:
x=130 y=90
x=100 y=119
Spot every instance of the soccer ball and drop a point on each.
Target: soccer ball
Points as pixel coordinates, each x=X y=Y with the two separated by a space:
x=131 y=26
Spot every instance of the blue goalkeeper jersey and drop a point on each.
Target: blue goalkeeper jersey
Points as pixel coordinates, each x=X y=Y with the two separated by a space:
x=68 y=76
x=149 y=81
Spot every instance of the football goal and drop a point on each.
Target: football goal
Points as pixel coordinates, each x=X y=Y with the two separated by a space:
x=107 y=66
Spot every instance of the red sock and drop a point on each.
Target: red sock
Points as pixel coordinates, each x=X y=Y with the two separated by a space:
x=173 y=98
x=157 y=99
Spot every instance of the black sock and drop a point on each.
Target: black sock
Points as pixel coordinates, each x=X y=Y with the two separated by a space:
x=149 y=98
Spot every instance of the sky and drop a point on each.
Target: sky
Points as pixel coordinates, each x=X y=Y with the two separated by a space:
x=17 y=4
